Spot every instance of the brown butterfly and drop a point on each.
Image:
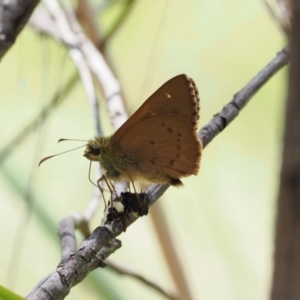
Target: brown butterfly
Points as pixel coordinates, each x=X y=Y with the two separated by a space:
x=158 y=143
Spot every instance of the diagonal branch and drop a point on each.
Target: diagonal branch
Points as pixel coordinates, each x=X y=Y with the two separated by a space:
x=240 y=99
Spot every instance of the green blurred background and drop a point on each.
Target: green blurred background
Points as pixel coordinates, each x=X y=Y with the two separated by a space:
x=222 y=221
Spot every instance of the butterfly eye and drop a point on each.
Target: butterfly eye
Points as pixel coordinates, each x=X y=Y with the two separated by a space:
x=95 y=149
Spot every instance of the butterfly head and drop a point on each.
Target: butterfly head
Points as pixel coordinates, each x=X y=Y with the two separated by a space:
x=96 y=147
x=92 y=150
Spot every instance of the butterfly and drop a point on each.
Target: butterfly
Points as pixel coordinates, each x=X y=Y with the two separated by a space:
x=159 y=143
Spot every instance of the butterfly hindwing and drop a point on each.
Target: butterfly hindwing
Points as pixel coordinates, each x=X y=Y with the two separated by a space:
x=167 y=146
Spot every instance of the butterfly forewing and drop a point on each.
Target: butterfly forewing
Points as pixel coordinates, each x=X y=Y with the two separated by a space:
x=179 y=95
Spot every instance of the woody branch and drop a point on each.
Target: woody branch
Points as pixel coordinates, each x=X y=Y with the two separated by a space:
x=286 y=272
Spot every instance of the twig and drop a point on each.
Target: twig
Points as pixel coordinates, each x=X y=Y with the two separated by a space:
x=67 y=237
x=78 y=266
x=123 y=271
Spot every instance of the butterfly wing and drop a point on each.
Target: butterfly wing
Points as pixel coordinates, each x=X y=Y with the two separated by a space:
x=179 y=95
x=161 y=136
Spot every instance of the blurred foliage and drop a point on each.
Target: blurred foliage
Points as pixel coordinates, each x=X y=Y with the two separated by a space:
x=221 y=221
x=5 y=294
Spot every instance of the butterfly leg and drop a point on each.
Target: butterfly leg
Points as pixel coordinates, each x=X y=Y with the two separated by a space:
x=110 y=187
x=131 y=181
x=129 y=186
x=111 y=190
x=101 y=190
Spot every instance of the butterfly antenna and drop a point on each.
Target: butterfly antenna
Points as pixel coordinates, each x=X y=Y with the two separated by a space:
x=63 y=140
x=46 y=158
